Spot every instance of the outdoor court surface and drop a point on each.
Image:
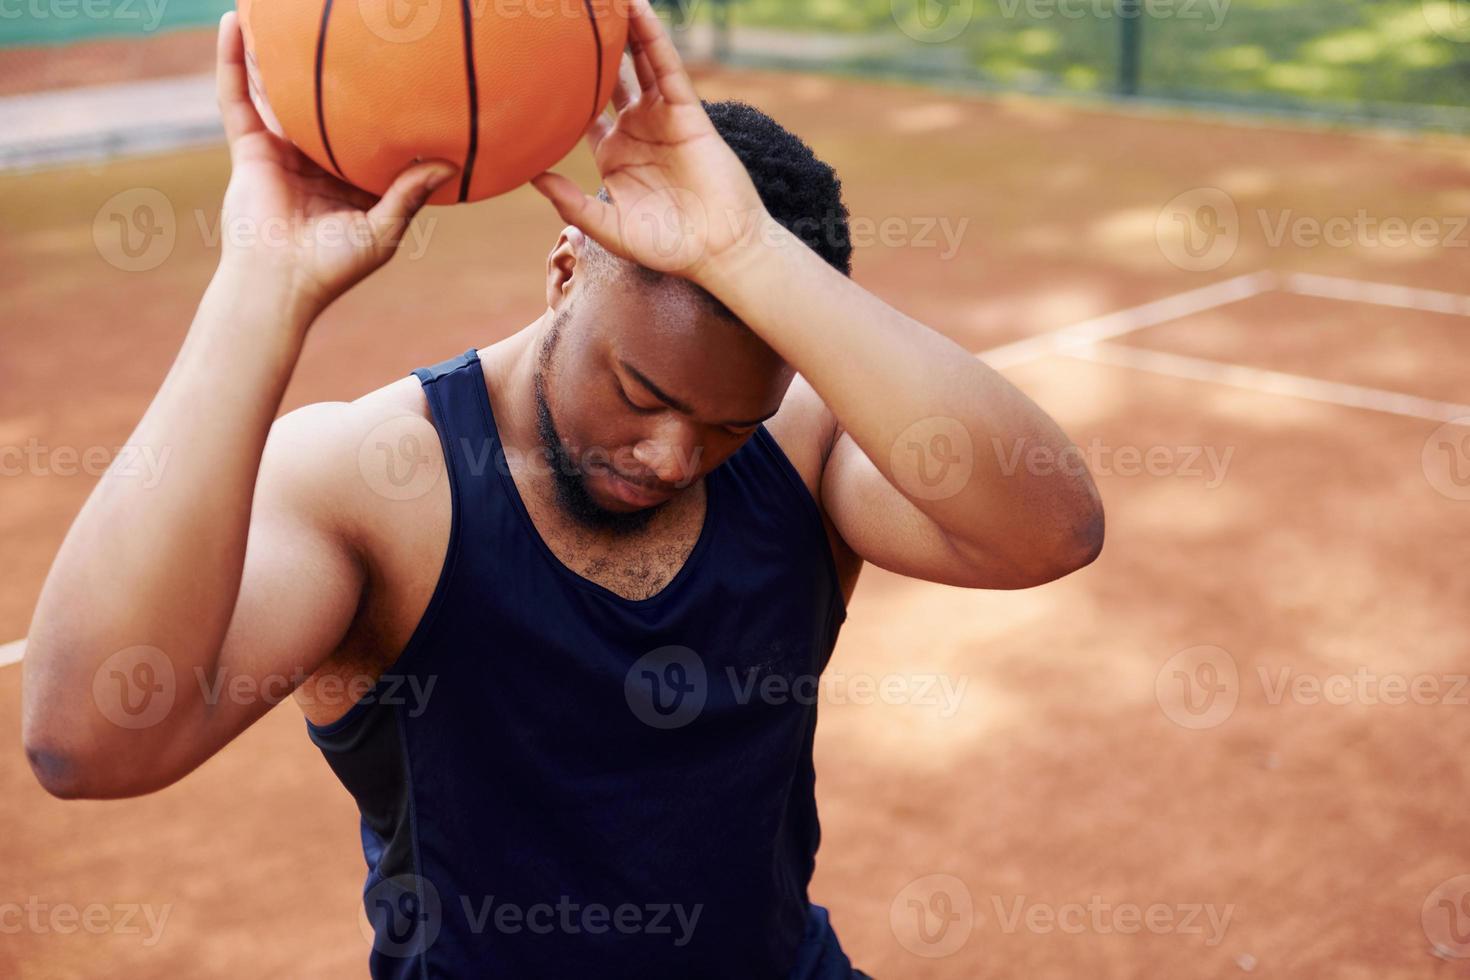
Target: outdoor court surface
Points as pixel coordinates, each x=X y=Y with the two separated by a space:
x=1081 y=774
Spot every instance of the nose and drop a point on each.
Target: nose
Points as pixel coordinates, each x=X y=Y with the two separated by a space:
x=671 y=453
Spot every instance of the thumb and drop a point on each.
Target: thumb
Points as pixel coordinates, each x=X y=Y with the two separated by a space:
x=595 y=217
x=409 y=192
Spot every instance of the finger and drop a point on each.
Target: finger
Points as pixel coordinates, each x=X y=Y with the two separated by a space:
x=596 y=218
x=627 y=90
x=403 y=199
x=328 y=187
x=232 y=87
x=597 y=131
x=642 y=70
x=648 y=36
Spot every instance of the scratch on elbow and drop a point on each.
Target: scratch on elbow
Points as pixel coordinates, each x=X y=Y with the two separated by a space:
x=57 y=774
x=1091 y=534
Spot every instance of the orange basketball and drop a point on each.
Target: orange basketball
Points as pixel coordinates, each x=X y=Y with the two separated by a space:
x=504 y=88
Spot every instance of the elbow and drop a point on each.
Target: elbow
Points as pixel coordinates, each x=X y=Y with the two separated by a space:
x=1086 y=540
x=72 y=753
x=70 y=764
x=49 y=740
x=1078 y=545
x=69 y=776
x=59 y=774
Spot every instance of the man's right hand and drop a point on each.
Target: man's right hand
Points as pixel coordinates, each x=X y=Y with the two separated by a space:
x=319 y=234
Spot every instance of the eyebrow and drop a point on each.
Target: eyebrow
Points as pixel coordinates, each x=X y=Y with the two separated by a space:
x=681 y=406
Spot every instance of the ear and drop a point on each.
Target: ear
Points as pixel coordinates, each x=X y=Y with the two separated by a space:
x=562 y=265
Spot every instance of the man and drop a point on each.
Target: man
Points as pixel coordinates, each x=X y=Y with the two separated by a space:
x=566 y=564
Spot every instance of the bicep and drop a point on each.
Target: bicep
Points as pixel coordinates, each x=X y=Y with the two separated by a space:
x=299 y=590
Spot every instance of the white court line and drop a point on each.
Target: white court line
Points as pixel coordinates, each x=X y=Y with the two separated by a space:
x=1271 y=382
x=1381 y=294
x=1126 y=321
x=10 y=653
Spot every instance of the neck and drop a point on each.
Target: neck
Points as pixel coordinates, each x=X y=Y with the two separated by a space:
x=510 y=373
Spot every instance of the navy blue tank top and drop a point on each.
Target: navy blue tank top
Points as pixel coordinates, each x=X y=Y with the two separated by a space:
x=556 y=781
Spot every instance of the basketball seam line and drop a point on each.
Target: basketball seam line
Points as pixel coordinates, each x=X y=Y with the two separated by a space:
x=597 y=79
x=474 y=98
x=321 y=118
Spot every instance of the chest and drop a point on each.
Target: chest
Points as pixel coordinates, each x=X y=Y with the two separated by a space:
x=634 y=566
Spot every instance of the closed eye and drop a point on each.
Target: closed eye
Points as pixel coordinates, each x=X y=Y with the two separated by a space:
x=634 y=405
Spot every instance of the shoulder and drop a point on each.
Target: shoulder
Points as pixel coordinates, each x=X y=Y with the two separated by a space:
x=343 y=465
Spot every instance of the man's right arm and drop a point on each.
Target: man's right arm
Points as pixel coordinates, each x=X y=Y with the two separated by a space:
x=176 y=614
x=237 y=565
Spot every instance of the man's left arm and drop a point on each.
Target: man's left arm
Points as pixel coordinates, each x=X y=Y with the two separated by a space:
x=928 y=477
x=921 y=480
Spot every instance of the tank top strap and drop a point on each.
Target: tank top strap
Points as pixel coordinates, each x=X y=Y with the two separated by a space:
x=459 y=407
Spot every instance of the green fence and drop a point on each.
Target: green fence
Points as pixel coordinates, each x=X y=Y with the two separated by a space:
x=1405 y=61
x=1398 y=61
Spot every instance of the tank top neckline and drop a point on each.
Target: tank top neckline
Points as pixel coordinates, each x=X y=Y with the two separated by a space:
x=513 y=494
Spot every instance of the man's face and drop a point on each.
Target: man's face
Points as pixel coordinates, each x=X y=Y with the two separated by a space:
x=642 y=388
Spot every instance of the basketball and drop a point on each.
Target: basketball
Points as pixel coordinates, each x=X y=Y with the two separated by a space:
x=365 y=88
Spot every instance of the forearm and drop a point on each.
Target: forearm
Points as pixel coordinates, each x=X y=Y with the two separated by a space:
x=155 y=560
x=902 y=391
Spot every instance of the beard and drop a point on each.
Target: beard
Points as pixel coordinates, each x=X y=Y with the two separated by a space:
x=568 y=479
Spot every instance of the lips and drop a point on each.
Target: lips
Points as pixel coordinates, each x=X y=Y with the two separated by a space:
x=635 y=494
